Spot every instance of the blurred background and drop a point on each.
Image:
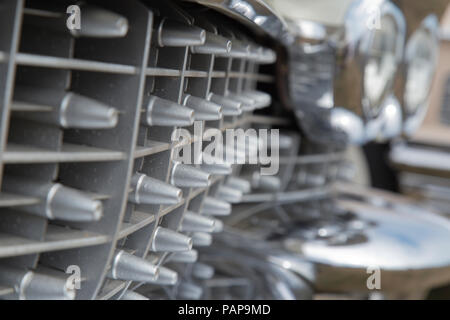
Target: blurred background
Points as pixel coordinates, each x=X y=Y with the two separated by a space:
x=425 y=176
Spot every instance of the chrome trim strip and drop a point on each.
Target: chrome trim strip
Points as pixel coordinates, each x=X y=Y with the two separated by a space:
x=420 y=157
x=256 y=14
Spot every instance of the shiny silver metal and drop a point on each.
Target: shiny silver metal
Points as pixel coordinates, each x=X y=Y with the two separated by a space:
x=399 y=240
x=201 y=239
x=410 y=156
x=166 y=277
x=162 y=112
x=391 y=118
x=189 y=176
x=193 y=222
x=361 y=35
x=330 y=66
x=131 y=295
x=256 y=14
x=230 y=107
x=127 y=266
x=100 y=23
x=215 y=207
x=146 y=190
x=57 y=202
x=172 y=33
x=420 y=62
x=68 y=110
x=30 y=285
x=184 y=257
x=204 y=109
x=347 y=122
x=166 y=240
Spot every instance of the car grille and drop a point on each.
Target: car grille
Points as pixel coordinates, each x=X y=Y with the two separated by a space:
x=71 y=175
x=445 y=109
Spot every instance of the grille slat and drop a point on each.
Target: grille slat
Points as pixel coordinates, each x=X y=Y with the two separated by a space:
x=68 y=153
x=56 y=238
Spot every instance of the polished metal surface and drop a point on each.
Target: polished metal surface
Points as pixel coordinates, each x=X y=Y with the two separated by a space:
x=92 y=172
x=257 y=14
x=393 y=240
x=421 y=57
x=343 y=67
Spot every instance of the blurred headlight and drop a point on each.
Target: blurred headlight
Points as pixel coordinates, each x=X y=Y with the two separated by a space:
x=382 y=62
x=370 y=52
x=351 y=64
x=420 y=63
x=391 y=119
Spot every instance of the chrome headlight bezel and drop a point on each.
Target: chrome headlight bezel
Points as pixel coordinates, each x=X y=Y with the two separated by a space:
x=321 y=101
x=353 y=55
x=414 y=114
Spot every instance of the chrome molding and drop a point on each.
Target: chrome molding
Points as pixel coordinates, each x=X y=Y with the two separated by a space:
x=414 y=118
x=391 y=119
x=256 y=14
x=352 y=53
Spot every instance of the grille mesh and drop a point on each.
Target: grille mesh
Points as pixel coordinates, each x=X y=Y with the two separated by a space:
x=44 y=151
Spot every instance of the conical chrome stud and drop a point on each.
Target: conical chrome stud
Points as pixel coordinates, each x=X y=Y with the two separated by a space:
x=166 y=277
x=215 y=207
x=268 y=56
x=239 y=184
x=214 y=44
x=202 y=271
x=162 y=112
x=172 y=33
x=261 y=99
x=239 y=50
x=126 y=266
x=29 y=285
x=256 y=52
x=229 y=194
x=189 y=291
x=201 y=239
x=193 y=222
x=218 y=226
x=230 y=107
x=170 y=241
x=57 y=201
x=132 y=295
x=184 y=257
x=100 y=23
x=204 y=109
x=269 y=183
x=248 y=104
x=214 y=165
x=64 y=109
x=187 y=176
x=148 y=190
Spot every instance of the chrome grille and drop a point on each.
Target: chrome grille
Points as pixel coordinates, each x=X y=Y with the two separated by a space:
x=49 y=158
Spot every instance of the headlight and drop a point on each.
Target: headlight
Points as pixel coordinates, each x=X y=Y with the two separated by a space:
x=382 y=61
x=369 y=55
x=390 y=118
x=420 y=63
x=350 y=63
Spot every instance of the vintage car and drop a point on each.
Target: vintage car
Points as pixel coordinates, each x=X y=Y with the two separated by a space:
x=198 y=149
